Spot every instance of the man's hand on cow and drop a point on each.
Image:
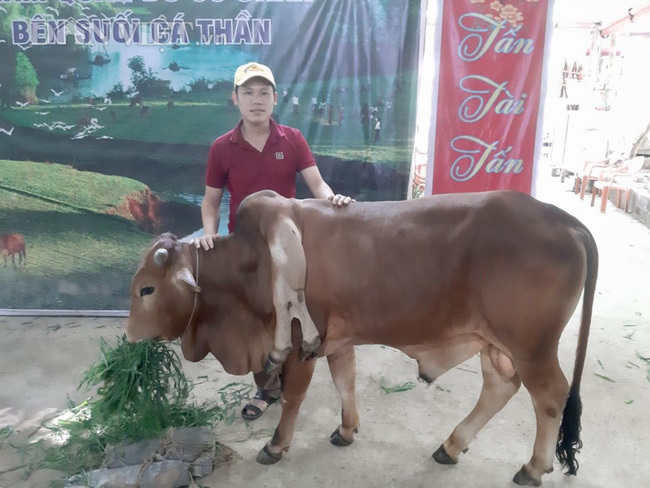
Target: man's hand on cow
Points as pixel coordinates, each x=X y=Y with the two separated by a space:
x=339 y=200
x=206 y=241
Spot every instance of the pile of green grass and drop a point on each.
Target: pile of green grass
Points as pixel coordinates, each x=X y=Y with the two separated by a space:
x=141 y=393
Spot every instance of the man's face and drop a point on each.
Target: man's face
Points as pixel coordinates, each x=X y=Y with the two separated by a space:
x=255 y=100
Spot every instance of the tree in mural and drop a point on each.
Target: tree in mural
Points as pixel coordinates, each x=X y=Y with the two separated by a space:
x=26 y=78
x=145 y=81
x=7 y=74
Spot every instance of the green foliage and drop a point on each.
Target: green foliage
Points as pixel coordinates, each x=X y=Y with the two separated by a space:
x=142 y=391
x=647 y=361
x=409 y=385
x=26 y=78
x=117 y=92
x=136 y=65
x=144 y=80
x=200 y=85
x=149 y=85
x=140 y=385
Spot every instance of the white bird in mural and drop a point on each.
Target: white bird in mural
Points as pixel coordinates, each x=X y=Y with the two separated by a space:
x=8 y=132
x=108 y=101
x=104 y=137
x=100 y=108
x=56 y=94
x=22 y=105
x=44 y=101
x=42 y=113
x=62 y=126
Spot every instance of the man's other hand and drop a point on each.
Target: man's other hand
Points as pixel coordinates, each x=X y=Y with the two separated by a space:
x=339 y=200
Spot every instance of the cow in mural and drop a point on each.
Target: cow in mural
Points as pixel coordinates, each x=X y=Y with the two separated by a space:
x=11 y=244
x=440 y=278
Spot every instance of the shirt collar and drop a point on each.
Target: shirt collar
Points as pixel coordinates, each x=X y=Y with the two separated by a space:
x=277 y=131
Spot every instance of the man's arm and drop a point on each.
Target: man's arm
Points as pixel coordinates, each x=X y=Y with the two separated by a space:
x=320 y=189
x=210 y=217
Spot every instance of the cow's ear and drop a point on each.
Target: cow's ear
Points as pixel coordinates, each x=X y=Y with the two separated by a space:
x=186 y=275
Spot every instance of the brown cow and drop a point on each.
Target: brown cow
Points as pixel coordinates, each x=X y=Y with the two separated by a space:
x=135 y=100
x=83 y=123
x=440 y=278
x=11 y=244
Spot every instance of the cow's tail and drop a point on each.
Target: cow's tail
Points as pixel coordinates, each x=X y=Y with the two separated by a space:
x=568 y=441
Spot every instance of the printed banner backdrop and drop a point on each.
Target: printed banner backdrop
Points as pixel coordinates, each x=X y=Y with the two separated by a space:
x=485 y=116
x=108 y=109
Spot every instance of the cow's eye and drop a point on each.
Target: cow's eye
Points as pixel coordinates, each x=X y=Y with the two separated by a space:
x=147 y=290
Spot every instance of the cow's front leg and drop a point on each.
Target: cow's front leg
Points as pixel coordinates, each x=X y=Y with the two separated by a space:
x=288 y=275
x=343 y=369
x=296 y=376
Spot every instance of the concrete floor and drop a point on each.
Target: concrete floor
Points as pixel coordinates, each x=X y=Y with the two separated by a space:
x=42 y=360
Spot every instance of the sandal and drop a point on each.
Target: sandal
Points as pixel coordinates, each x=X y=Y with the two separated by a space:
x=252 y=412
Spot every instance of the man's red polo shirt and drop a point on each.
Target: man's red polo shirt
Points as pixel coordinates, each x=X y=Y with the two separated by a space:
x=236 y=165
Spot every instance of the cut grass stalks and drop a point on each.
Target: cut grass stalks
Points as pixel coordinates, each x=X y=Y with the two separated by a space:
x=647 y=361
x=141 y=393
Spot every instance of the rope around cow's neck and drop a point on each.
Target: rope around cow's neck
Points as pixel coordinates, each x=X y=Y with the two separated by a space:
x=196 y=293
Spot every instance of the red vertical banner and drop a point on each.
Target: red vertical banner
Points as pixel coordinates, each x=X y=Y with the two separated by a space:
x=489 y=93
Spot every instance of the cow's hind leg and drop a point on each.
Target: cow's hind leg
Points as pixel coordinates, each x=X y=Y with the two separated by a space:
x=343 y=369
x=548 y=389
x=499 y=385
x=296 y=376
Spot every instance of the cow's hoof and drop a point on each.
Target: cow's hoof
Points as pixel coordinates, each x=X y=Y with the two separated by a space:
x=338 y=440
x=311 y=347
x=441 y=456
x=267 y=457
x=524 y=478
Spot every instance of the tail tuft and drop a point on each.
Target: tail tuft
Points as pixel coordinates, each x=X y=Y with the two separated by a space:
x=568 y=440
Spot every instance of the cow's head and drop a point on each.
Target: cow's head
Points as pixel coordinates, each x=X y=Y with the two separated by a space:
x=162 y=292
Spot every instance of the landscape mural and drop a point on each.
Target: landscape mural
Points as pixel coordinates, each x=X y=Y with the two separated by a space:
x=108 y=109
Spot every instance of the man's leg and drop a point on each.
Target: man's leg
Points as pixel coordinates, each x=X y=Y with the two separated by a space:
x=268 y=392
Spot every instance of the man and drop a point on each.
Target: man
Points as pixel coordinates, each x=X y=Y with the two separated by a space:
x=258 y=154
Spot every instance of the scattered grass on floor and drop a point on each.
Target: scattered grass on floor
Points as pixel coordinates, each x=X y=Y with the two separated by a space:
x=409 y=385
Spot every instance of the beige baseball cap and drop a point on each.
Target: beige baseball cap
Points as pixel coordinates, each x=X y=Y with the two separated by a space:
x=253 y=70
